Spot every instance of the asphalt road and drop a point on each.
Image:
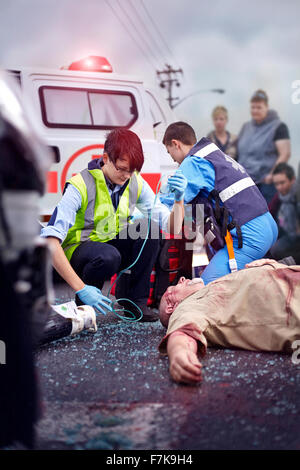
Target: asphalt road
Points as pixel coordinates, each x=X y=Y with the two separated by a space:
x=112 y=390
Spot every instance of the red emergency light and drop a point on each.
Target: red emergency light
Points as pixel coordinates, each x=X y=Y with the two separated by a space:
x=92 y=63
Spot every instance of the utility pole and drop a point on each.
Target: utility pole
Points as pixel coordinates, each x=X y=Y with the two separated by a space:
x=168 y=82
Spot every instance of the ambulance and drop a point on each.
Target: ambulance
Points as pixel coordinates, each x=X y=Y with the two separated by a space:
x=78 y=105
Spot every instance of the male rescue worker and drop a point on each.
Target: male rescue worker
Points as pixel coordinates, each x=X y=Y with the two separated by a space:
x=239 y=206
x=256 y=309
x=89 y=229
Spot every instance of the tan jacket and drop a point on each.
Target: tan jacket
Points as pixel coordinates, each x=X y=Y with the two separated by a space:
x=257 y=308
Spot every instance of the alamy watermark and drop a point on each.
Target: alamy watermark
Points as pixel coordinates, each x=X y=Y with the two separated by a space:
x=296 y=94
x=296 y=353
x=2 y=352
x=109 y=225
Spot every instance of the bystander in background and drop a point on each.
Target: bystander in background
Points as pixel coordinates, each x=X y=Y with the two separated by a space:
x=285 y=208
x=225 y=140
x=263 y=143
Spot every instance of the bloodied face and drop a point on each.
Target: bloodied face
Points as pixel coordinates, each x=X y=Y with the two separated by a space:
x=176 y=294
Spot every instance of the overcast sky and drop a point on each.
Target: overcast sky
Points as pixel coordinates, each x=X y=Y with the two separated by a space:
x=233 y=44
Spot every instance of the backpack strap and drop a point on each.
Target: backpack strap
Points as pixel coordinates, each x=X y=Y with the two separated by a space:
x=222 y=215
x=232 y=260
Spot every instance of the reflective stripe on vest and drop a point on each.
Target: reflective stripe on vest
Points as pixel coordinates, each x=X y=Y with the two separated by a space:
x=90 y=210
x=236 y=188
x=210 y=148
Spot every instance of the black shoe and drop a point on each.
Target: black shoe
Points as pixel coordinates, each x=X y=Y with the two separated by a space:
x=148 y=314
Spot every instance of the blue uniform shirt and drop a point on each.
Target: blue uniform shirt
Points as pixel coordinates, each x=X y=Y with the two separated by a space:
x=200 y=175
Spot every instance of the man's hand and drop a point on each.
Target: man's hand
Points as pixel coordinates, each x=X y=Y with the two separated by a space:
x=185 y=367
x=93 y=296
x=178 y=183
x=184 y=364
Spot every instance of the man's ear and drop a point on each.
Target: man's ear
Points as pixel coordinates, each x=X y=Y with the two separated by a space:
x=105 y=158
x=169 y=309
x=176 y=143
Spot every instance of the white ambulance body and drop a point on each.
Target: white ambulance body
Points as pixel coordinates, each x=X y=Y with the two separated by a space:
x=77 y=109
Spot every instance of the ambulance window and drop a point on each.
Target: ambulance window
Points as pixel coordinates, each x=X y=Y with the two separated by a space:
x=66 y=106
x=87 y=108
x=112 y=110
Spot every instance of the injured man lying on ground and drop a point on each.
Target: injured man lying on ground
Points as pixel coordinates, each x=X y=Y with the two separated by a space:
x=257 y=308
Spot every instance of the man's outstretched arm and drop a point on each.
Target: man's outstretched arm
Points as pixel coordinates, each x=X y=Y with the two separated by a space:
x=184 y=363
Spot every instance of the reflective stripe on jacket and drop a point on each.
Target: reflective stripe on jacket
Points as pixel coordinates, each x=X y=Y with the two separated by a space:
x=236 y=190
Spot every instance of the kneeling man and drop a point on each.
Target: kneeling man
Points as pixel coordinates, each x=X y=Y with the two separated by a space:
x=257 y=308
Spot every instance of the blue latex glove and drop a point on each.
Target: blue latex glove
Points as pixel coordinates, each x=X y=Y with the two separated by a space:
x=93 y=296
x=177 y=184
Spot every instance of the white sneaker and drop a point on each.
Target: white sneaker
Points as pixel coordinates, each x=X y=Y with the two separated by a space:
x=82 y=317
x=89 y=317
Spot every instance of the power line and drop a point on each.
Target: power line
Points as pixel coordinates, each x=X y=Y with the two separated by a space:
x=213 y=90
x=150 y=34
x=132 y=37
x=136 y=30
x=159 y=33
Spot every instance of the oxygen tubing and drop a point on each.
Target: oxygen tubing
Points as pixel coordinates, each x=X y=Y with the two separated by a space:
x=115 y=311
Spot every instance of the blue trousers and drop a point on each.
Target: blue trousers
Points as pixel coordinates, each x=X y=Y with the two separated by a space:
x=258 y=236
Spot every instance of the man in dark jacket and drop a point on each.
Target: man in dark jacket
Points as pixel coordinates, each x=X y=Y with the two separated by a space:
x=285 y=207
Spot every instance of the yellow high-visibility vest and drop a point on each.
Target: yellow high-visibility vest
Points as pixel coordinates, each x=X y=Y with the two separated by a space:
x=97 y=220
